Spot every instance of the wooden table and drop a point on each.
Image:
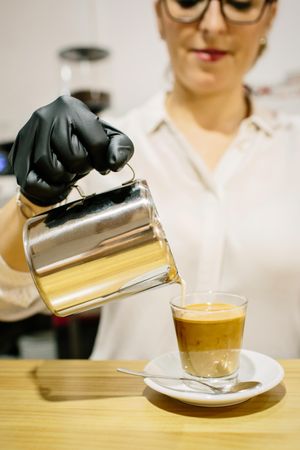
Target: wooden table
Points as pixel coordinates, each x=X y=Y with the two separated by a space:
x=57 y=404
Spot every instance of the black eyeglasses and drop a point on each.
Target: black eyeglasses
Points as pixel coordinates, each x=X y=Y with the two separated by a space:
x=235 y=11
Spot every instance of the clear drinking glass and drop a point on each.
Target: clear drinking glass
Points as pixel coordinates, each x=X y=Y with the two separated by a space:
x=209 y=328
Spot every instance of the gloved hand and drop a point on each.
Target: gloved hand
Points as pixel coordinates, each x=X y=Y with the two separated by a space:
x=60 y=144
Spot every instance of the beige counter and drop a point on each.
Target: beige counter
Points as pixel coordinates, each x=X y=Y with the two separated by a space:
x=53 y=405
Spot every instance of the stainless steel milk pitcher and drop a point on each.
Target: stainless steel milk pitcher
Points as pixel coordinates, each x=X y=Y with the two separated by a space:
x=100 y=248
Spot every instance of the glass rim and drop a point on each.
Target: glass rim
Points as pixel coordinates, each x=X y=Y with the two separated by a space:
x=228 y=19
x=243 y=304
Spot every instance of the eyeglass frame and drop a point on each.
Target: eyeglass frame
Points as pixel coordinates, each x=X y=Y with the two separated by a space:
x=202 y=14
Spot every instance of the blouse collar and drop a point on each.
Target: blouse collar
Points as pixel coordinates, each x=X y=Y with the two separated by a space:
x=156 y=115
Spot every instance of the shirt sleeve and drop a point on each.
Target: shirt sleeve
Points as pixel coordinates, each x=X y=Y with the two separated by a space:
x=19 y=297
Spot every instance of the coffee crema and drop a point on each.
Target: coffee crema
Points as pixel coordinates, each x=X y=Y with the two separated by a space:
x=209 y=338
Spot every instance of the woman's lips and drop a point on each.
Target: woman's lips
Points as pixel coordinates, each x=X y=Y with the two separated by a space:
x=210 y=54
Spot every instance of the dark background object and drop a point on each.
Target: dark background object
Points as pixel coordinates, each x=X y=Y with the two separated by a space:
x=95 y=99
x=5 y=167
x=74 y=336
x=83 y=53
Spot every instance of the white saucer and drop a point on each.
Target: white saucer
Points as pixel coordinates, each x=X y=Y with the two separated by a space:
x=253 y=366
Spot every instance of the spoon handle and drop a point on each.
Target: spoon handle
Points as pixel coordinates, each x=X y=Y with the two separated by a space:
x=241 y=386
x=166 y=377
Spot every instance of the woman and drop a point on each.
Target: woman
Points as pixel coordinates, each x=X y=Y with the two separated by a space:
x=223 y=174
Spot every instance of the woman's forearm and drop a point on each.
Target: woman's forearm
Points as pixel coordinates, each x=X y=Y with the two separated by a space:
x=11 y=232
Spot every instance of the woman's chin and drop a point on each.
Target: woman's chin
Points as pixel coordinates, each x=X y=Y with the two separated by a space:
x=207 y=86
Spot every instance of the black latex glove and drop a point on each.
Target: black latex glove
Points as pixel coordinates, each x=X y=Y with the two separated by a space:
x=60 y=144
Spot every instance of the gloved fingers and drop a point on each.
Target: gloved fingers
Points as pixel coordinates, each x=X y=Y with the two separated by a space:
x=68 y=148
x=39 y=192
x=45 y=161
x=120 y=149
x=19 y=155
x=94 y=138
x=91 y=134
x=119 y=152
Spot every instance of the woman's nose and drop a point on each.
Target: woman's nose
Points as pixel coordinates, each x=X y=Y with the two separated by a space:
x=213 y=20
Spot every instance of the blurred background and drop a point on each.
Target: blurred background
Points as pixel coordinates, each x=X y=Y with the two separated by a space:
x=108 y=53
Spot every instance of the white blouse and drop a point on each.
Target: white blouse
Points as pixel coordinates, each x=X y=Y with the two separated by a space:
x=235 y=229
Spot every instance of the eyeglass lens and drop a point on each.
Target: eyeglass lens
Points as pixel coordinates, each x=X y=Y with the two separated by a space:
x=234 y=10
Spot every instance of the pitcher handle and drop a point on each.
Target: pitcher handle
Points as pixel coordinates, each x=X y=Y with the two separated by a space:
x=131 y=180
x=132 y=176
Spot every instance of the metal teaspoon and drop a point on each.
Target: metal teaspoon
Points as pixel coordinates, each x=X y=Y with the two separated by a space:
x=240 y=386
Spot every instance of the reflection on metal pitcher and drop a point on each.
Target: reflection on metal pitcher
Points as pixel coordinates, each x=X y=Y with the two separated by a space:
x=100 y=248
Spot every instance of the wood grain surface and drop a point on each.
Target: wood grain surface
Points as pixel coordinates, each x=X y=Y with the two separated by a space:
x=80 y=404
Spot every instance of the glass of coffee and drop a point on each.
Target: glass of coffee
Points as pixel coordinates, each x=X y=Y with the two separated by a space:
x=209 y=328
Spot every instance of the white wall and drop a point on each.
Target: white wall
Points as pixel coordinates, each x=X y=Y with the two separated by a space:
x=139 y=60
x=283 y=53
x=31 y=32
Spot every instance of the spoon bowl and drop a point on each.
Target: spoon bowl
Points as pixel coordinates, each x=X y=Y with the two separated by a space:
x=195 y=383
